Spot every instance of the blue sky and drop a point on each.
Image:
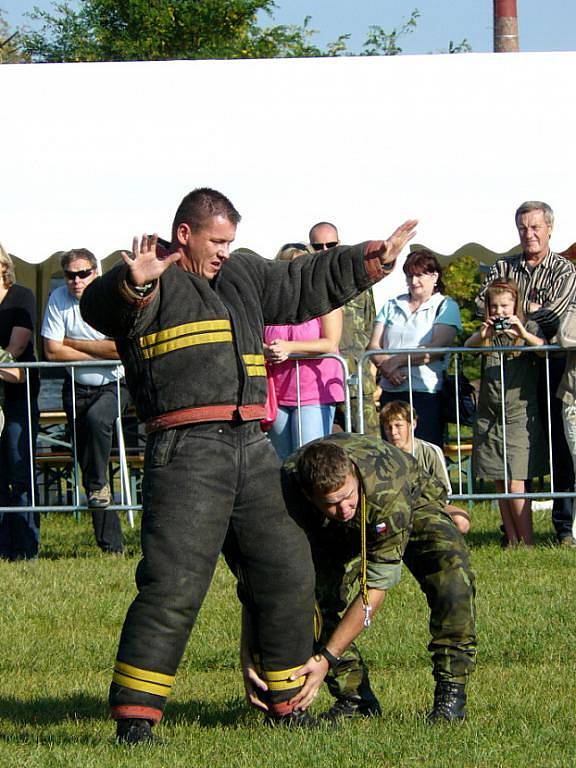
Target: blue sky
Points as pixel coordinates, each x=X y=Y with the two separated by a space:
x=545 y=25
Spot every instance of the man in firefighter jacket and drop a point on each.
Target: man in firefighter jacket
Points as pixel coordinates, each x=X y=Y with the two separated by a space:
x=344 y=484
x=188 y=325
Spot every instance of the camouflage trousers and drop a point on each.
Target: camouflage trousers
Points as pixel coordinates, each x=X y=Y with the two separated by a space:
x=438 y=558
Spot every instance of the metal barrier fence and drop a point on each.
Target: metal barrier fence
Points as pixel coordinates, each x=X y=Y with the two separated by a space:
x=463 y=463
x=128 y=502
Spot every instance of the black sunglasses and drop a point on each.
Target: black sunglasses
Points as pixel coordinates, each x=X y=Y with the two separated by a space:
x=320 y=246
x=82 y=274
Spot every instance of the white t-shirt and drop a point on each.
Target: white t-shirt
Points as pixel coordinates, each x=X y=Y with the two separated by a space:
x=63 y=319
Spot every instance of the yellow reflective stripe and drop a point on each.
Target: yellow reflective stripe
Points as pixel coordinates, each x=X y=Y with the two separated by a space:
x=187 y=341
x=254 y=365
x=138 y=685
x=256 y=370
x=202 y=326
x=144 y=674
x=280 y=674
x=286 y=685
x=253 y=359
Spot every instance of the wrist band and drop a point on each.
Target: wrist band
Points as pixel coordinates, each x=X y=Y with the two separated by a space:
x=330 y=658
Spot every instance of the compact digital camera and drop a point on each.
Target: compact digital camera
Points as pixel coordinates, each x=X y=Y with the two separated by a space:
x=500 y=323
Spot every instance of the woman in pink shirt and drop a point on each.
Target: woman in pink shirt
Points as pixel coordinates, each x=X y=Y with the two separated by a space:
x=319 y=383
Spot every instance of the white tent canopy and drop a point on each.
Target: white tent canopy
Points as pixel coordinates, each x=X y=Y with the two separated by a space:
x=94 y=153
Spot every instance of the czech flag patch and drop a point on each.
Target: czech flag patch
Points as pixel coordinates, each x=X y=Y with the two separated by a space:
x=381 y=528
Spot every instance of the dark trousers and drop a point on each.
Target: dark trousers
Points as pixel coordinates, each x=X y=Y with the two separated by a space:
x=206 y=488
x=96 y=414
x=438 y=558
x=561 y=457
x=19 y=531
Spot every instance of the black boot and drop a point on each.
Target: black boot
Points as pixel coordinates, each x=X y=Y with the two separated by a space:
x=298 y=718
x=351 y=707
x=133 y=731
x=449 y=703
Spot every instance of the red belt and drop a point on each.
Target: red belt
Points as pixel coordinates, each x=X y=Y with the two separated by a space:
x=205 y=413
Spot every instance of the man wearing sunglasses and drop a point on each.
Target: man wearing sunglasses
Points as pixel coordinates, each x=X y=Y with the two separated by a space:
x=359 y=318
x=89 y=395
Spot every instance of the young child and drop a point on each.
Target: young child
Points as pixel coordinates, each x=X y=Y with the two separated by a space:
x=399 y=422
x=525 y=442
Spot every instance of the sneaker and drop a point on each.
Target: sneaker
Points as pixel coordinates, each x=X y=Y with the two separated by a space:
x=567 y=541
x=298 y=718
x=449 y=703
x=100 y=498
x=348 y=709
x=133 y=731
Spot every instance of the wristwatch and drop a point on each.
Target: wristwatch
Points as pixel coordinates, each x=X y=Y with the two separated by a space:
x=330 y=658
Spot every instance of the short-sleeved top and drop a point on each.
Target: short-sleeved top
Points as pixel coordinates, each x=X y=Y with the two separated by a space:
x=406 y=329
x=18 y=310
x=321 y=382
x=431 y=460
x=62 y=319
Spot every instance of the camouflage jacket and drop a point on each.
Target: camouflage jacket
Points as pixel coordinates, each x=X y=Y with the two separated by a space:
x=395 y=490
x=359 y=318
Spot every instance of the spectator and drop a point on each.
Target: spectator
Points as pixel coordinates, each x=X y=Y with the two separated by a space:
x=423 y=317
x=19 y=531
x=525 y=442
x=357 y=324
x=316 y=384
x=399 y=422
x=547 y=283
x=92 y=418
x=567 y=389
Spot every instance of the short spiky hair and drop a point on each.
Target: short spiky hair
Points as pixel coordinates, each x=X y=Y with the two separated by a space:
x=323 y=467
x=200 y=205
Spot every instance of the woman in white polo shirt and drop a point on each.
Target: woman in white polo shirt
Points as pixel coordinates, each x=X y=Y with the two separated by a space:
x=423 y=317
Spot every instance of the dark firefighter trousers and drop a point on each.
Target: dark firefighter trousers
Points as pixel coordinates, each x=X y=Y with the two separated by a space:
x=212 y=487
x=438 y=558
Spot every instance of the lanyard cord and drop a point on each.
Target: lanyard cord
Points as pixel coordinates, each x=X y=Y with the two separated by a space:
x=364 y=560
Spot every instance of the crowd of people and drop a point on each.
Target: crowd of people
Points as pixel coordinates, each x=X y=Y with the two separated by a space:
x=201 y=334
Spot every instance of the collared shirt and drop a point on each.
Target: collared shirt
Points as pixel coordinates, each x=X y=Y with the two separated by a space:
x=552 y=284
x=406 y=329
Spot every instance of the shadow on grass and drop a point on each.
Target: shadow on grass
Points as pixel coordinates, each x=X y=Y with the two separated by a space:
x=79 y=707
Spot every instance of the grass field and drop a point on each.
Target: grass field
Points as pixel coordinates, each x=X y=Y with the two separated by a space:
x=60 y=622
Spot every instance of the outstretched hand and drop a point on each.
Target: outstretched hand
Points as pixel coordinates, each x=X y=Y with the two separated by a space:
x=145 y=264
x=398 y=239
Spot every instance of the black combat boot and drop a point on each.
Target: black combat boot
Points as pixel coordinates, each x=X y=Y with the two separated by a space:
x=449 y=703
x=349 y=707
x=133 y=731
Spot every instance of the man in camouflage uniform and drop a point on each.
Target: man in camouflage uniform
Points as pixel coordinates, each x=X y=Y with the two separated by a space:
x=358 y=322
x=334 y=483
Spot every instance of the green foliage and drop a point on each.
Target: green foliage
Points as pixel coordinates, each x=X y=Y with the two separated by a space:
x=149 y=30
x=61 y=620
x=10 y=52
x=462 y=282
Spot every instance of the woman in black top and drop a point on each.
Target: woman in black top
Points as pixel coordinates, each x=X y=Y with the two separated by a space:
x=19 y=532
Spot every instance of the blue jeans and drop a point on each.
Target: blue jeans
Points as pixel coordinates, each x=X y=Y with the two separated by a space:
x=285 y=434
x=19 y=531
